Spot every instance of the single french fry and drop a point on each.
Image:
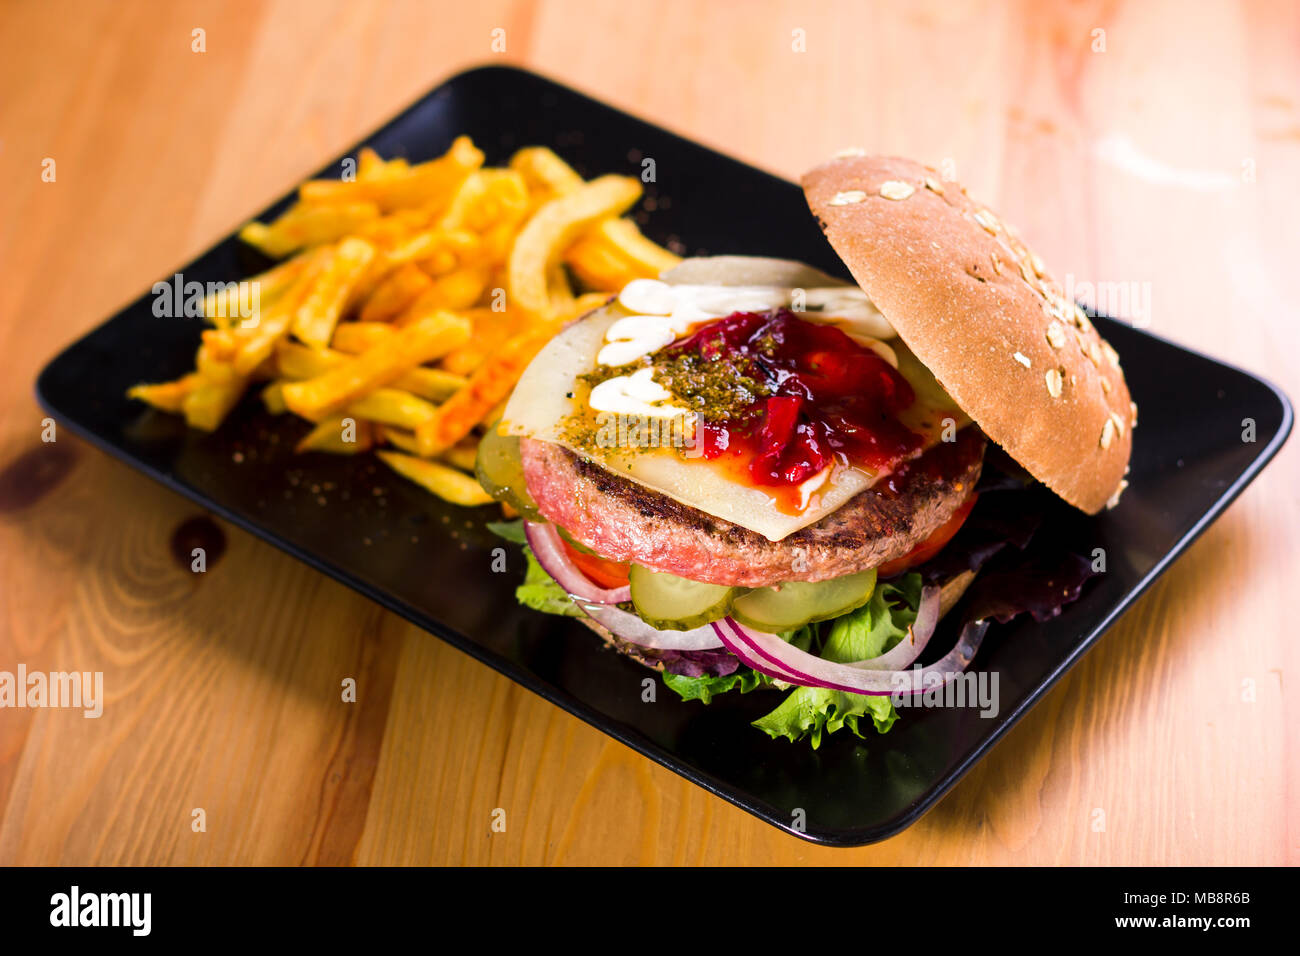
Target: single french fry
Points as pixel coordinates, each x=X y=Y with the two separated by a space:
x=273 y=398
x=369 y=164
x=257 y=348
x=338 y=435
x=370 y=278
x=394 y=230
x=224 y=307
x=210 y=402
x=489 y=332
x=392 y=406
x=455 y=291
x=319 y=312
x=297 y=362
x=402 y=287
x=212 y=366
x=550 y=232
x=581 y=306
x=495 y=244
x=398 y=438
x=353 y=337
x=558 y=290
x=369 y=167
x=447 y=483
x=429 y=185
x=642 y=254
x=614 y=253
x=437 y=250
x=490 y=384
x=597 y=266
x=256 y=345
x=487 y=198
x=462 y=455
x=222 y=343
x=546 y=175
x=414 y=345
x=166 y=396
x=435 y=384
x=308 y=225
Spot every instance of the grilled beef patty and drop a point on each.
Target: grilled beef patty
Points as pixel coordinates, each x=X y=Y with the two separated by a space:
x=625 y=521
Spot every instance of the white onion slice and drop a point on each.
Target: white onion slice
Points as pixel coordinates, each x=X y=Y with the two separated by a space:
x=629 y=627
x=548 y=548
x=775 y=654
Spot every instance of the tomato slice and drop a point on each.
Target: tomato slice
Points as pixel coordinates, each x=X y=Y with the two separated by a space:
x=608 y=574
x=932 y=545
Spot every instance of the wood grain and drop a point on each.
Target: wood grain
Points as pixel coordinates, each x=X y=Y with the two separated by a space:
x=1169 y=159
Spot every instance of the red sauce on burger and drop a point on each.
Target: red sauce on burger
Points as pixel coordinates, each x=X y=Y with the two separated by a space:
x=808 y=396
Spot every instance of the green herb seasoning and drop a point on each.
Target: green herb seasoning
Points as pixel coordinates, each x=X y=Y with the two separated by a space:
x=719 y=389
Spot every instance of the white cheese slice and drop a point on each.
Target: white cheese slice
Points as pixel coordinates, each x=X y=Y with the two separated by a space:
x=547 y=397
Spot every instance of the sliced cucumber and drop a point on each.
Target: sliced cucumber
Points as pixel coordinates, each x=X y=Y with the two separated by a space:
x=500 y=471
x=671 y=603
x=796 y=603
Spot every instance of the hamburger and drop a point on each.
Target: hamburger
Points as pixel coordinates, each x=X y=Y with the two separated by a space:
x=748 y=473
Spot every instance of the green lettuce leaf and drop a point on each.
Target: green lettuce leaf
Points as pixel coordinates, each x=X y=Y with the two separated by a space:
x=868 y=632
x=512 y=531
x=811 y=711
x=704 y=689
x=876 y=626
x=540 y=592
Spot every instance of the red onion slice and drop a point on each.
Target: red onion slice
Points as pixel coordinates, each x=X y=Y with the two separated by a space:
x=629 y=627
x=748 y=657
x=548 y=548
x=810 y=671
x=913 y=643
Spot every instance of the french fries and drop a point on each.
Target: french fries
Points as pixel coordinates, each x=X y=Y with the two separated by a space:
x=491 y=383
x=409 y=299
x=308 y=226
x=615 y=251
x=315 y=318
x=552 y=229
x=379 y=365
x=340 y=435
x=428 y=185
x=166 y=396
x=402 y=287
x=209 y=402
x=447 y=483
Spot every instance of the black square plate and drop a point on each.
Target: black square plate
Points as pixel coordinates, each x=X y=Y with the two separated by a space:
x=430 y=562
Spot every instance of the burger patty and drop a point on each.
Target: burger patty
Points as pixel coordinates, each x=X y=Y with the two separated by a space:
x=622 y=520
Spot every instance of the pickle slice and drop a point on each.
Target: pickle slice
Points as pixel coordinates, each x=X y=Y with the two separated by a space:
x=500 y=471
x=670 y=603
x=796 y=603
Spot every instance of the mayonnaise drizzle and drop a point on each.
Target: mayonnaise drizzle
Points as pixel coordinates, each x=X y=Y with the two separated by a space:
x=662 y=313
x=635 y=394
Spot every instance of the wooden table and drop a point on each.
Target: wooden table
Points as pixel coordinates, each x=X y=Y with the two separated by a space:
x=1164 y=151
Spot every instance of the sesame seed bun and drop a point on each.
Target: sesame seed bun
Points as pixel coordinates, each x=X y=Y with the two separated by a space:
x=982 y=313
